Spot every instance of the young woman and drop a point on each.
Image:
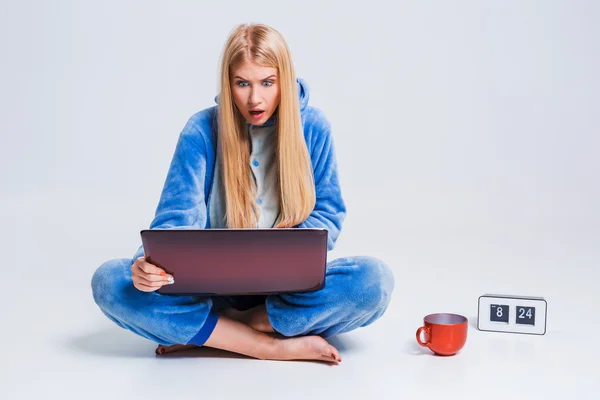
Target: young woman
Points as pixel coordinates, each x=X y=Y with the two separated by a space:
x=261 y=158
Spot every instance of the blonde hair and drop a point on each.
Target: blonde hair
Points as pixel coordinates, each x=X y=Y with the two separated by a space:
x=263 y=45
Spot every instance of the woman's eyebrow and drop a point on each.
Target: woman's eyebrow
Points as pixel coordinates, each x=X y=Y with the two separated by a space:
x=244 y=79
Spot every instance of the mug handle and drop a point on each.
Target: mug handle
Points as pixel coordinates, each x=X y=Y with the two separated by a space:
x=427 y=332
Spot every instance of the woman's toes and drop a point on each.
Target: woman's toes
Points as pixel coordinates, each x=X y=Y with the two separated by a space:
x=328 y=350
x=161 y=349
x=328 y=359
x=336 y=355
x=333 y=353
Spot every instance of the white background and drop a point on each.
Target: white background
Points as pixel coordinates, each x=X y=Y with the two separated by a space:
x=467 y=140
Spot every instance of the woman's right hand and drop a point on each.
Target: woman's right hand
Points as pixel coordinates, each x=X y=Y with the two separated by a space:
x=148 y=277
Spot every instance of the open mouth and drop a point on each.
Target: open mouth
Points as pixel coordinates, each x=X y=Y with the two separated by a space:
x=257 y=113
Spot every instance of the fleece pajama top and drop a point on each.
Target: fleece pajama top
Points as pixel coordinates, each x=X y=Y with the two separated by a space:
x=357 y=289
x=264 y=172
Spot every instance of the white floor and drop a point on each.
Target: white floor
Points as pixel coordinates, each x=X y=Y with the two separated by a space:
x=57 y=344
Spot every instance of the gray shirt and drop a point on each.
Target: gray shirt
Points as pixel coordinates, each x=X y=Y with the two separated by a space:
x=264 y=172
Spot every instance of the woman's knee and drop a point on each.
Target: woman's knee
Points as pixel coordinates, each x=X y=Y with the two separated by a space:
x=373 y=283
x=109 y=281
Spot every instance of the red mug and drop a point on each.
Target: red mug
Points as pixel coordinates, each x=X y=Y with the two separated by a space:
x=445 y=334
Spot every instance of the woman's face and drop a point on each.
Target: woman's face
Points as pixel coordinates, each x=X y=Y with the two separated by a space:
x=255 y=91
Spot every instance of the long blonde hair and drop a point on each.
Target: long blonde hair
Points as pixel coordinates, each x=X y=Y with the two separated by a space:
x=263 y=45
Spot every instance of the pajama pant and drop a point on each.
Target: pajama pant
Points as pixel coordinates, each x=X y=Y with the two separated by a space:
x=357 y=292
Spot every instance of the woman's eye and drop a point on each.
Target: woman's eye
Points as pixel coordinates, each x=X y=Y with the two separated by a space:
x=245 y=83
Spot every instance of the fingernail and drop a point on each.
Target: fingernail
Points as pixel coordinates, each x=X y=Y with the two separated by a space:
x=163 y=273
x=171 y=280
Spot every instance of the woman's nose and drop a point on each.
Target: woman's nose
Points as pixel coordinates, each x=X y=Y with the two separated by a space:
x=254 y=98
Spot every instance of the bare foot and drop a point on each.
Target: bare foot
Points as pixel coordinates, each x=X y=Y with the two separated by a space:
x=297 y=348
x=161 y=349
x=305 y=348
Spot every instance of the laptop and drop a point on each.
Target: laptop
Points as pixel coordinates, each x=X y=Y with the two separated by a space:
x=238 y=261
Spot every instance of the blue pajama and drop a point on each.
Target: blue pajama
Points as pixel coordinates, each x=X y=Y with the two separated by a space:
x=357 y=289
x=357 y=292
